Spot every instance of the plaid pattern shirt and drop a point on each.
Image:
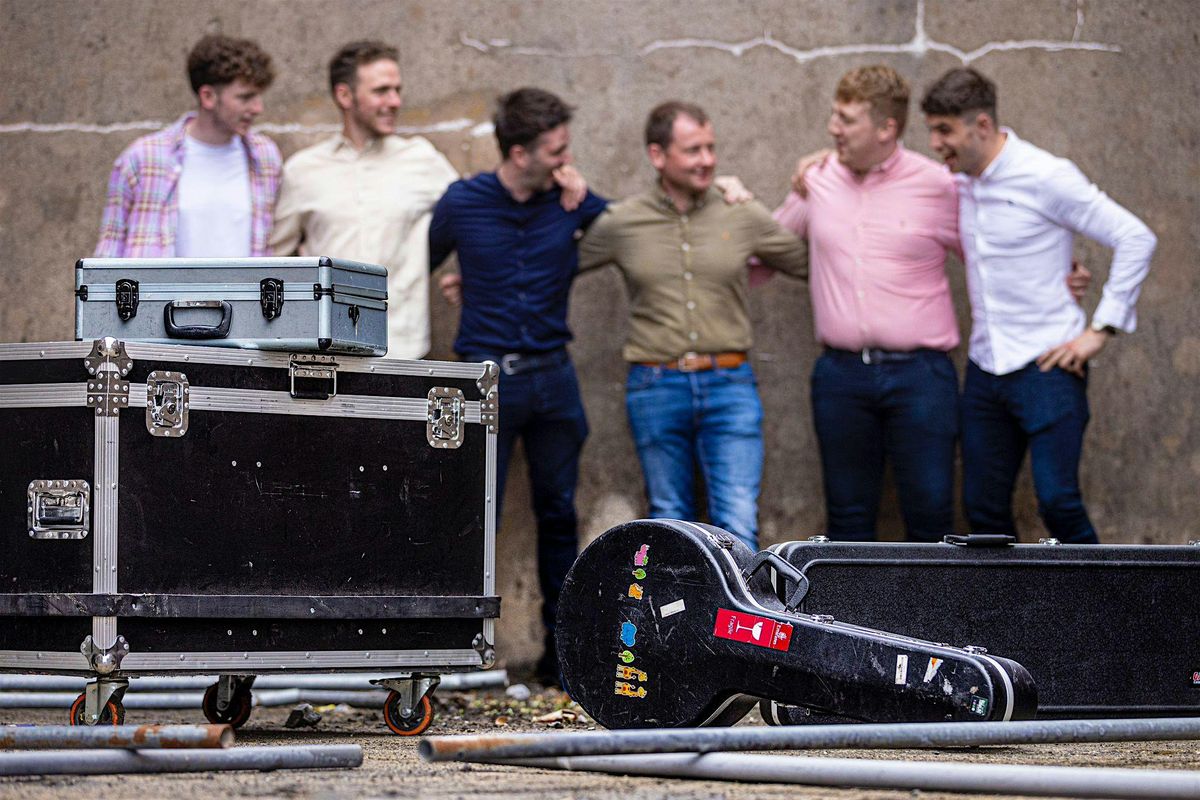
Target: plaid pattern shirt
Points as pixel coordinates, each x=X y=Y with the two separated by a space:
x=141 y=212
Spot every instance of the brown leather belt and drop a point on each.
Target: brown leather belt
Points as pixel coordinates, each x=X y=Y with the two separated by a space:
x=700 y=362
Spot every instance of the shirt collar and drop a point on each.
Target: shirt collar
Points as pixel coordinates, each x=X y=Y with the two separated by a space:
x=666 y=202
x=890 y=162
x=1004 y=156
x=341 y=144
x=178 y=131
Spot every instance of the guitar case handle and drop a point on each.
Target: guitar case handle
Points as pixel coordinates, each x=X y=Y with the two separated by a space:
x=786 y=570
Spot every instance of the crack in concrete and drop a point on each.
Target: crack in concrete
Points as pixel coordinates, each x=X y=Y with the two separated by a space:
x=472 y=127
x=919 y=45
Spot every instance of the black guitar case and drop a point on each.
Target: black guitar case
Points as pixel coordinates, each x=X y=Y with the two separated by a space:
x=1105 y=630
x=664 y=623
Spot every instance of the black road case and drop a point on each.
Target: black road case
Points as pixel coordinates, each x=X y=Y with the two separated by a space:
x=1105 y=630
x=169 y=510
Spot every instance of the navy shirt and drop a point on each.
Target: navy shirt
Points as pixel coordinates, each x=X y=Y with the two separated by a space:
x=517 y=262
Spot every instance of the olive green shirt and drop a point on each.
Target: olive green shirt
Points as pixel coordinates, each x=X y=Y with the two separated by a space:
x=686 y=273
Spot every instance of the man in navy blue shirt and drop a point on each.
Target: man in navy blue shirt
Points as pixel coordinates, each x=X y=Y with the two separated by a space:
x=516 y=243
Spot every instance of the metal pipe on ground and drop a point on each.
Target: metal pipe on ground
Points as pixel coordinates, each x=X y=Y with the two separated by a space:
x=130 y=737
x=868 y=736
x=1093 y=782
x=457 y=681
x=120 y=762
x=184 y=700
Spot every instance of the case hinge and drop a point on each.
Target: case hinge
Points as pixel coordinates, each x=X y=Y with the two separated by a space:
x=127 y=299
x=313 y=376
x=167 y=403
x=446 y=417
x=489 y=407
x=58 y=509
x=107 y=363
x=270 y=297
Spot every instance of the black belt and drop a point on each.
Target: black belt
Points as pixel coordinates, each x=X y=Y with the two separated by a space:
x=517 y=363
x=874 y=355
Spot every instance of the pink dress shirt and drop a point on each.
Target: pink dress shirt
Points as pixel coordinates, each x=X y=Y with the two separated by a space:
x=878 y=247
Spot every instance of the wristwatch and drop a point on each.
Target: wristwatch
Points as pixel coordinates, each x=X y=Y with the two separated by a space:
x=1100 y=327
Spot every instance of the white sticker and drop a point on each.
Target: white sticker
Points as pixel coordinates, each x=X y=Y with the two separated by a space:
x=932 y=669
x=901 y=670
x=671 y=608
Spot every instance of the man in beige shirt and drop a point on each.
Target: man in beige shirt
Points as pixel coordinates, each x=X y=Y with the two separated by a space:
x=691 y=394
x=367 y=194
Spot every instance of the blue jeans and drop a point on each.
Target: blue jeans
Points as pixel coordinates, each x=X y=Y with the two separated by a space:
x=543 y=408
x=1002 y=417
x=711 y=418
x=904 y=412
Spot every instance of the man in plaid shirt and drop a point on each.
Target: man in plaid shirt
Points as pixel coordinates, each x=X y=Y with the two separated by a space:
x=205 y=186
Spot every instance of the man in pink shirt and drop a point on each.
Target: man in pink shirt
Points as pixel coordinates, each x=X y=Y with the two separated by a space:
x=879 y=220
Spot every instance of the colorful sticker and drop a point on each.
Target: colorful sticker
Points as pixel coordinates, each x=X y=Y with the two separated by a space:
x=626 y=656
x=640 y=574
x=932 y=669
x=628 y=690
x=671 y=608
x=752 y=629
x=635 y=591
x=628 y=634
x=901 y=669
x=1196 y=678
x=979 y=705
x=642 y=558
x=630 y=673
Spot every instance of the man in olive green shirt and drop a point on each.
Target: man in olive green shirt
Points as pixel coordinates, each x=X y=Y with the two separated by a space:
x=691 y=395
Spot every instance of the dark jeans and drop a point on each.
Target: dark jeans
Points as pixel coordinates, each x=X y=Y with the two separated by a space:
x=542 y=406
x=902 y=410
x=1002 y=417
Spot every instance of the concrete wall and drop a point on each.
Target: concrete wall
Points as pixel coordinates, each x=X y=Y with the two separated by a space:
x=1112 y=84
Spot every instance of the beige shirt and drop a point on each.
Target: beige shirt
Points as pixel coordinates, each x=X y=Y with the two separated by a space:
x=371 y=206
x=686 y=273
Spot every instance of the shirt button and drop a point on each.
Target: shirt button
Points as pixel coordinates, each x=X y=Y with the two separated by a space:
x=691 y=304
x=861 y=293
x=693 y=336
x=683 y=218
x=687 y=276
x=685 y=247
x=858 y=261
x=521 y=296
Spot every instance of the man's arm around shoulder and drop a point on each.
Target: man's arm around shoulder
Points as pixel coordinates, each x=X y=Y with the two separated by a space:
x=775 y=246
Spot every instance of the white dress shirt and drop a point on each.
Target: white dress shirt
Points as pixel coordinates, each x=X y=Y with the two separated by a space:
x=1017 y=222
x=372 y=206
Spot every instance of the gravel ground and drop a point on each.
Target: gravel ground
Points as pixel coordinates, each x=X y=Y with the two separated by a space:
x=392 y=769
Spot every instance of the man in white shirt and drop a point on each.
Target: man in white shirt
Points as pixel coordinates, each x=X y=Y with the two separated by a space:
x=367 y=194
x=1026 y=381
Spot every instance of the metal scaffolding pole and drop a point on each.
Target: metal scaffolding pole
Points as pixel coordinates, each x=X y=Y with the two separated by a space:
x=1092 y=782
x=871 y=736
x=117 y=762
x=130 y=737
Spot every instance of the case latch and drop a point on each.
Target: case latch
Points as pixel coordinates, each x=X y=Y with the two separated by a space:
x=108 y=364
x=313 y=376
x=270 y=297
x=167 y=403
x=127 y=299
x=58 y=509
x=447 y=409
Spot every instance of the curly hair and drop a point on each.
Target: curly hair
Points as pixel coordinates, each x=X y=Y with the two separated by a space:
x=218 y=60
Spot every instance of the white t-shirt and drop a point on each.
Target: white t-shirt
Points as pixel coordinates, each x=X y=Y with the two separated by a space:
x=214 y=201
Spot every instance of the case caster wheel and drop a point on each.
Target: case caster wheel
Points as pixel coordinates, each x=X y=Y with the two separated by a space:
x=112 y=714
x=413 y=725
x=235 y=714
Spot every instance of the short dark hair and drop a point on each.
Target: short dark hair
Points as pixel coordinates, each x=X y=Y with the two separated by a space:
x=960 y=92
x=660 y=125
x=218 y=60
x=524 y=115
x=343 y=67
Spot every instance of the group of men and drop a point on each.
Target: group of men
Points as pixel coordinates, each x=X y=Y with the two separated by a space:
x=870 y=229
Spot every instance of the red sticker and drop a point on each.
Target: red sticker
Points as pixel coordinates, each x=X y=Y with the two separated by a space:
x=751 y=629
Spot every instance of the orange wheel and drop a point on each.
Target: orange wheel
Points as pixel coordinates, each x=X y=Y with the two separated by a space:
x=413 y=725
x=113 y=713
x=235 y=714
